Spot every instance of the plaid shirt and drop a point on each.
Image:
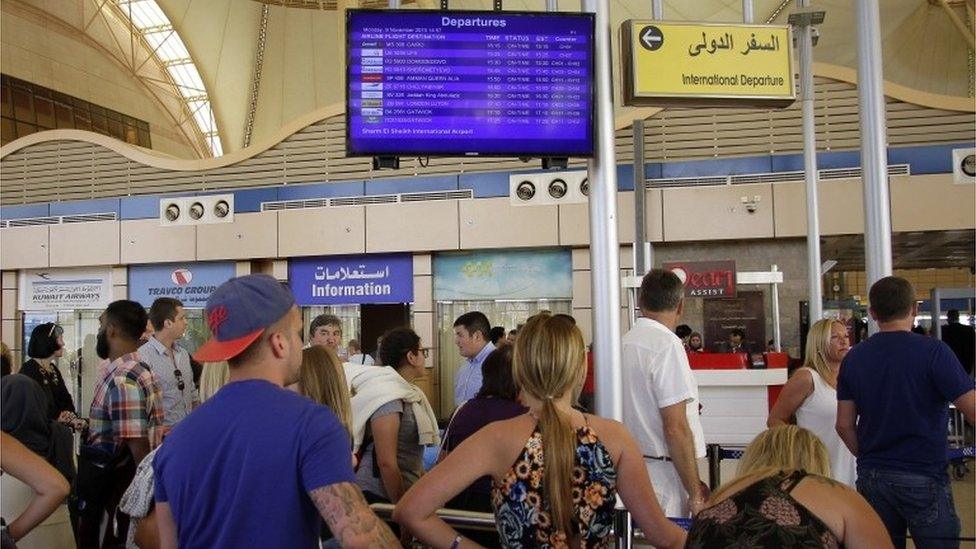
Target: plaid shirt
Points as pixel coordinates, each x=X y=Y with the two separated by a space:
x=128 y=403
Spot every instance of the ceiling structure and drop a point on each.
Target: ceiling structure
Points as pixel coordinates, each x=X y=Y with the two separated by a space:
x=303 y=53
x=910 y=250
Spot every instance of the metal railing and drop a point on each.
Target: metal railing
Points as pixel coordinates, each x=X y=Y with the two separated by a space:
x=624 y=532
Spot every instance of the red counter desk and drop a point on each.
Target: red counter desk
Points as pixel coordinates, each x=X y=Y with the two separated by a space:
x=735 y=399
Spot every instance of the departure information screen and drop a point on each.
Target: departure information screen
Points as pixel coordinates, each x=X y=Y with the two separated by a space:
x=458 y=83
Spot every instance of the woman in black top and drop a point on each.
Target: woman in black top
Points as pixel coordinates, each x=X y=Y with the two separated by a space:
x=45 y=345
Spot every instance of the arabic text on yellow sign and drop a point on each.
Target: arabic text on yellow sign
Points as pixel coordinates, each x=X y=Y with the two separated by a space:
x=676 y=60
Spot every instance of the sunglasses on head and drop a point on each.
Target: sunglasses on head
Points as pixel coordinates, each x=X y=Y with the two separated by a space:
x=55 y=331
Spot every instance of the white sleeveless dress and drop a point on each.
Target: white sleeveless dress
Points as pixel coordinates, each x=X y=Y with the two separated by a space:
x=818 y=414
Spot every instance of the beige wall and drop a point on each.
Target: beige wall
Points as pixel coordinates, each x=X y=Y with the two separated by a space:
x=41 y=51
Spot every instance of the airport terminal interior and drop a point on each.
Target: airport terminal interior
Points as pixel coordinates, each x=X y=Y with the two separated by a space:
x=402 y=163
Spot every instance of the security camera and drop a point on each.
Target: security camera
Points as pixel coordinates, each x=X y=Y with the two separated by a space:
x=558 y=188
x=525 y=190
x=751 y=207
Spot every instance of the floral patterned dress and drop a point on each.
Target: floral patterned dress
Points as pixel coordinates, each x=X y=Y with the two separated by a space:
x=522 y=515
x=760 y=516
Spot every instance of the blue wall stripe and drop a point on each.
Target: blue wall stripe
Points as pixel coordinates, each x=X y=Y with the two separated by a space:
x=926 y=159
x=25 y=211
x=321 y=190
x=412 y=185
x=77 y=207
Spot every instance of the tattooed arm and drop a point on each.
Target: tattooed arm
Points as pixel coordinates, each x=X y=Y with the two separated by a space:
x=349 y=517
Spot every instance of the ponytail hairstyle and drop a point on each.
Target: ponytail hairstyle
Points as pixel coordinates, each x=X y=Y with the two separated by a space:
x=549 y=362
x=322 y=379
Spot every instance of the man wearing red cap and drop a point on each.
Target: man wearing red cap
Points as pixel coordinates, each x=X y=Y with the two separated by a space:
x=255 y=465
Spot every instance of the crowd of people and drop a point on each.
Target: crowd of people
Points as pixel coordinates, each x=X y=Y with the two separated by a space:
x=281 y=444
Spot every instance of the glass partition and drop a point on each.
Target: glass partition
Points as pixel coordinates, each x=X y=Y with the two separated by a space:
x=509 y=314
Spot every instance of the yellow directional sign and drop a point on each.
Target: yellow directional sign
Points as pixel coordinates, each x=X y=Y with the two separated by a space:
x=668 y=63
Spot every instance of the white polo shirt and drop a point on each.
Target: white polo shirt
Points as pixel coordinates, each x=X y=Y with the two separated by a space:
x=656 y=375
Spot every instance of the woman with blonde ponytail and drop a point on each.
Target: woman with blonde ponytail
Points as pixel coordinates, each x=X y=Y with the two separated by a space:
x=555 y=471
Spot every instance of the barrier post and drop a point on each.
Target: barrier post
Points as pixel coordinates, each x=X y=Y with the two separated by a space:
x=714 y=454
x=623 y=529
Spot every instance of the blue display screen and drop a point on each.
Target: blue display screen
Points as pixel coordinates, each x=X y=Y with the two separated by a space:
x=460 y=83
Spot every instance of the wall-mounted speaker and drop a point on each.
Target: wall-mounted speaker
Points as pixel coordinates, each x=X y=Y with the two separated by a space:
x=196 y=210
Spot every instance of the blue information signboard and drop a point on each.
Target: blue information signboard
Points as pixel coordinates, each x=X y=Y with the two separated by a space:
x=353 y=279
x=191 y=283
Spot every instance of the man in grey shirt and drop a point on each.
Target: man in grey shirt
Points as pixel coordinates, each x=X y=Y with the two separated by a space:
x=169 y=362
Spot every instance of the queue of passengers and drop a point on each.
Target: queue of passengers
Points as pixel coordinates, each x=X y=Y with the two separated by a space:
x=283 y=445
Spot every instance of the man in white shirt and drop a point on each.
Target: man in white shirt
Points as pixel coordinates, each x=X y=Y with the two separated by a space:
x=660 y=397
x=471 y=335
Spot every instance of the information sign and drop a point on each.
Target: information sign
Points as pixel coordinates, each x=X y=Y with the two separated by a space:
x=668 y=63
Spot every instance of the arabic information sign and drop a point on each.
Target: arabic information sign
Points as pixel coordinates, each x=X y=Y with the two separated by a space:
x=528 y=274
x=65 y=289
x=354 y=279
x=707 y=64
x=191 y=283
x=705 y=278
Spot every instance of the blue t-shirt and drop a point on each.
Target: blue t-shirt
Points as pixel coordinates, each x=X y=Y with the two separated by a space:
x=237 y=471
x=901 y=384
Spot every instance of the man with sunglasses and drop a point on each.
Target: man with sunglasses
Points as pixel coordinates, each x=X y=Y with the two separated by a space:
x=170 y=363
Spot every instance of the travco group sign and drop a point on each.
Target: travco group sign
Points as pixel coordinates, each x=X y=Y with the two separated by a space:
x=705 y=278
x=668 y=63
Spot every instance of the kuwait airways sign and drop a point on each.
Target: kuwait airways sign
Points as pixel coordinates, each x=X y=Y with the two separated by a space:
x=669 y=63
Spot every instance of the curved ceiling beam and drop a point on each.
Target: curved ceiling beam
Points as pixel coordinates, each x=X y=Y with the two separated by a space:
x=147 y=83
x=622 y=121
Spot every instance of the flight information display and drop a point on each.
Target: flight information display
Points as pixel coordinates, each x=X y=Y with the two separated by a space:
x=460 y=83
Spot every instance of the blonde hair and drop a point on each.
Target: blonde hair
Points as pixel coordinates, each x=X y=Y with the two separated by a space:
x=549 y=362
x=785 y=448
x=212 y=377
x=818 y=346
x=323 y=380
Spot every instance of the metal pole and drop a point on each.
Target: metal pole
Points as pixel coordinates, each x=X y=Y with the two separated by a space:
x=657 y=9
x=874 y=163
x=814 y=281
x=552 y=5
x=747 y=13
x=714 y=454
x=776 y=332
x=623 y=529
x=936 y=312
x=640 y=196
x=604 y=246
x=394 y=4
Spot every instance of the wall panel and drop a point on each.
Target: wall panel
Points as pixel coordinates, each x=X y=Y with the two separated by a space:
x=79 y=244
x=24 y=247
x=145 y=241
x=495 y=223
x=250 y=236
x=322 y=231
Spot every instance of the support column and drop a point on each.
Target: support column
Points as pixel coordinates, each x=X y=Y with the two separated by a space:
x=804 y=40
x=747 y=14
x=657 y=9
x=604 y=247
x=874 y=161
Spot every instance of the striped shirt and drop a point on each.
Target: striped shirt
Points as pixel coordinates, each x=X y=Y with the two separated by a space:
x=128 y=403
